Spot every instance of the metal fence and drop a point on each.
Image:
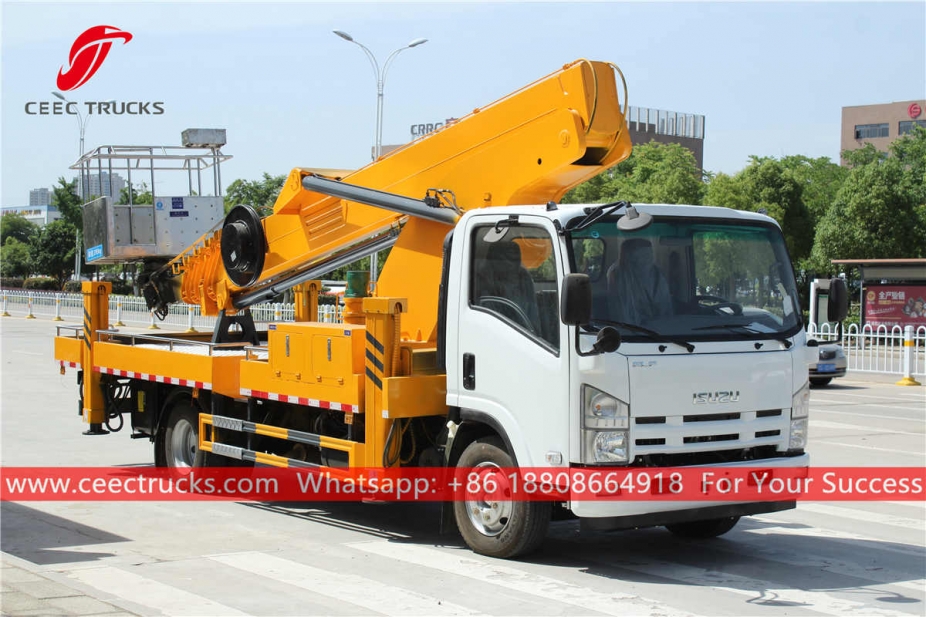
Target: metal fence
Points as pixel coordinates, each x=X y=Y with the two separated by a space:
x=878 y=349
x=131 y=310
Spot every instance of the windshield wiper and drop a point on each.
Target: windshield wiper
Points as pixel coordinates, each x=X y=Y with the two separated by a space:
x=652 y=334
x=730 y=326
x=594 y=213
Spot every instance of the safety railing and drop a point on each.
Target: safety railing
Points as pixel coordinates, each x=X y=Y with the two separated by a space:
x=880 y=349
x=132 y=311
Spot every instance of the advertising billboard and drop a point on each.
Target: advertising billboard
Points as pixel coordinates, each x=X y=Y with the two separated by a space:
x=895 y=305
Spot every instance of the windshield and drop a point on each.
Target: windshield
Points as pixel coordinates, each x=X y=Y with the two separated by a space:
x=689 y=279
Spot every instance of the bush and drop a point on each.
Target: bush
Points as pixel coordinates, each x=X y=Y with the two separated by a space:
x=43 y=283
x=11 y=282
x=72 y=286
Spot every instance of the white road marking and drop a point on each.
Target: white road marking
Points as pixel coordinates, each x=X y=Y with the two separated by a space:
x=866 y=415
x=487 y=571
x=876 y=449
x=864 y=516
x=774 y=527
x=350 y=588
x=150 y=593
x=849 y=427
x=760 y=592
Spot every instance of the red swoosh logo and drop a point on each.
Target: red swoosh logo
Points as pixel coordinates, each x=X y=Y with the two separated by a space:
x=87 y=55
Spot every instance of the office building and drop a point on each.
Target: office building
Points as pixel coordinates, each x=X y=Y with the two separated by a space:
x=880 y=124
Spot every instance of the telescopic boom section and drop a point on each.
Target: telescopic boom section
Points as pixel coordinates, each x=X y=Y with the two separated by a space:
x=529 y=147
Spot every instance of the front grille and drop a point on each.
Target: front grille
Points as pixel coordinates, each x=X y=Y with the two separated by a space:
x=707 y=433
x=712 y=417
x=827 y=354
x=710 y=438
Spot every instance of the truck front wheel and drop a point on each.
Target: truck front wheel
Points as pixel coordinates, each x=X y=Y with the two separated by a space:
x=701 y=530
x=489 y=524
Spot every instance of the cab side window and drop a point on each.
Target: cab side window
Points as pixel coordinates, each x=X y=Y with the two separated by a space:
x=514 y=278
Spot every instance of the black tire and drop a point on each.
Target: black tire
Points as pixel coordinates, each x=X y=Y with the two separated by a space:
x=178 y=439
x=512 y=528
x=820 y=381
x=702 y=530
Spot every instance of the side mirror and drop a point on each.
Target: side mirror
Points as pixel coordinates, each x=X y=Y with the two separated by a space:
x=609 y=339
x=576 y=303
x=838 y=306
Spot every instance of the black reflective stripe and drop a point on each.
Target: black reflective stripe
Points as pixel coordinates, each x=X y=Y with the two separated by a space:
x=376 y=380
x=291 y=435
x=376 y=361
x=376 y=344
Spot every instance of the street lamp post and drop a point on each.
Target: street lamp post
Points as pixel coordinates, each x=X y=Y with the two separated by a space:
x=82 y=123
x=380 y=84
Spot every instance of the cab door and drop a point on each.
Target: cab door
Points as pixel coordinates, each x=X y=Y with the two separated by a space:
x=510 y=364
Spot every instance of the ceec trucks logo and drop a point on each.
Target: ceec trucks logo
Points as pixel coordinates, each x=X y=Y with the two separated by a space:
x=88 y=52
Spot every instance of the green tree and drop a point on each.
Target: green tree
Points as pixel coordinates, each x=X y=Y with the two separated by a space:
x=261 y=194
x=65 y=198
x=879 y=213
x=53 y=250
x=654 y=173
x=17 y=227
x=820 y=180
x=766 y=185
x=15 y=259
x=141 y=197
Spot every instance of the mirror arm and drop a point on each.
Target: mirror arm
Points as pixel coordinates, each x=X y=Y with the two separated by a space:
x=584 y=354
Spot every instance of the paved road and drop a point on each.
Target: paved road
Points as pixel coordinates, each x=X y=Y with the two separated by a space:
x=354 y=559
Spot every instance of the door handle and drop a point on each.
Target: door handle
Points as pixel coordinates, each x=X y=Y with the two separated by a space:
x=469 y=371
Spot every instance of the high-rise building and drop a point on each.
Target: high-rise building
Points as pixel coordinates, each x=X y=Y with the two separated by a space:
x=102 y=184
x=39 y=197
x=879 y=125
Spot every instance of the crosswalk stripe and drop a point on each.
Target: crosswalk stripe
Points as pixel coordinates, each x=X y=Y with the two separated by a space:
x=759 y=591
x=840 y=412
x=150 y=593
x=372 y=595
x=475 y=567
x=775 y=527
x=775 y=551
x=864 y=515
x=855 y=445
x=848 y=427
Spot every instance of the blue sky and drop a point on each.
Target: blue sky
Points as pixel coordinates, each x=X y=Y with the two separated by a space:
x=771 y=78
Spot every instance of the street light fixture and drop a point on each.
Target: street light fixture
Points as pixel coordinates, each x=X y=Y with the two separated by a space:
x=380 y=83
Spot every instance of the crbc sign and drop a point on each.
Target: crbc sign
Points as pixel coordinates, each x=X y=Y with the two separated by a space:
x=420 y=130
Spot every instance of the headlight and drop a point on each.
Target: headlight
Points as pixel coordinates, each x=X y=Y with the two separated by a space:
x=800 y=402
x=611 y=447
x=606 y=421
x=798 y=439
x=603 y=411
x=800 y=410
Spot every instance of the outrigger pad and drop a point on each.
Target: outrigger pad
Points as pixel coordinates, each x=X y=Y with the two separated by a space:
x=235 y=328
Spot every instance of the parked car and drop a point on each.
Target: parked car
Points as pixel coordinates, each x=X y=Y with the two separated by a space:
x=831 y=363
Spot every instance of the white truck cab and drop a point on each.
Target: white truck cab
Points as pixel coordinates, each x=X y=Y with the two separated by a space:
x=701 y=353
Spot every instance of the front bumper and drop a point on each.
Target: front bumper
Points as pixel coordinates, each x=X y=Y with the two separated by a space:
x=628 y=514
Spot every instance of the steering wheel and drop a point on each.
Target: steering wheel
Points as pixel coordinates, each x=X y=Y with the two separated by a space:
x=719 y=304
x=506 y=307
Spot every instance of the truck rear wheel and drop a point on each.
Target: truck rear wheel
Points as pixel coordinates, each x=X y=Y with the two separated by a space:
x=492 y=526
x=701 y=530
x=178 y=439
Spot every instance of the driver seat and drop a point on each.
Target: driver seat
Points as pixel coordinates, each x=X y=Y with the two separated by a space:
x=637 y=288
x=501 y=275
